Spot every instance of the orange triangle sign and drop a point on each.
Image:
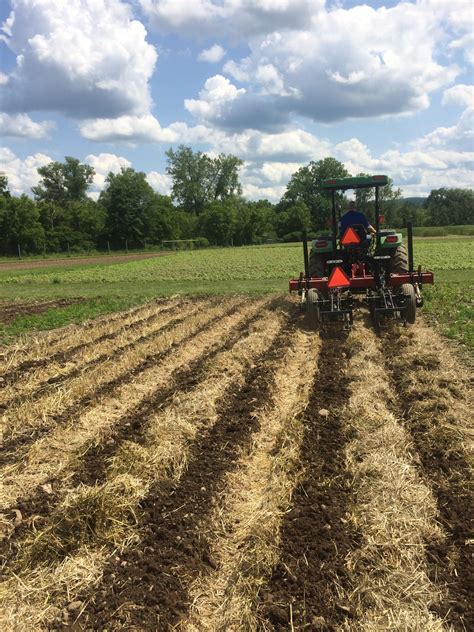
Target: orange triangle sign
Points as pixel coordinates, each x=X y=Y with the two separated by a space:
x=338 y=278
x=350 y=237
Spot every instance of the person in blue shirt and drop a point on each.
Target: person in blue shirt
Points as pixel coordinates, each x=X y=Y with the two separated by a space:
x=353 y=218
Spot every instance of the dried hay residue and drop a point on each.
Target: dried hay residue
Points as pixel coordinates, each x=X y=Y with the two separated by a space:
x=394 y=510
x=89 y=516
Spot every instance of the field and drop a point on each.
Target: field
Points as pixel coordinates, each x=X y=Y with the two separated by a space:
x=209 y=462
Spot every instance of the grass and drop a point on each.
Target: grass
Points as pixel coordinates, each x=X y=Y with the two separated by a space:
x=253 y=270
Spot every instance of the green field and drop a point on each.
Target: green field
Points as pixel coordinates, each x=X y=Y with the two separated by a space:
x=254 y=269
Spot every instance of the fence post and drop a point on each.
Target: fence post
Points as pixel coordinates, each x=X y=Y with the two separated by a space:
x=108 y=246
x=19 y=251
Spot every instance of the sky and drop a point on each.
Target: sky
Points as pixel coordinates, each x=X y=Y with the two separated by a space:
x=384 y=87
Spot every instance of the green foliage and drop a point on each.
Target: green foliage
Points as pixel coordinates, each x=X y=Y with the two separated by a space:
x=63 y=182
x=4 y=191
x=199 y=180
x=304 y=186
x=131 y=206
x=450 y=206
x=20 y=225
x=292 y=221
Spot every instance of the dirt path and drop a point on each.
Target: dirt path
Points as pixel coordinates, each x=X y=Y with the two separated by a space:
x=33 y=264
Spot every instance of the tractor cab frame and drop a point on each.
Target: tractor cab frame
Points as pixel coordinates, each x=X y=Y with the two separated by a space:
x=341 y=267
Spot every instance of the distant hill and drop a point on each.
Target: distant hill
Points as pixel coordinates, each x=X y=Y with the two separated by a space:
x=416 y=200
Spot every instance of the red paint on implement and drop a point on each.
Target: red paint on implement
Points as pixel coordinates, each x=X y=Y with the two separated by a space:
x=396 y=280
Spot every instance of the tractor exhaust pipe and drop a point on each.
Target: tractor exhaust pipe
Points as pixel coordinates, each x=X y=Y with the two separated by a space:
x=410 y=245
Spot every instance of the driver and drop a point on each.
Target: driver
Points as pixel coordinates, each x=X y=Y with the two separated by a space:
x=353 y=218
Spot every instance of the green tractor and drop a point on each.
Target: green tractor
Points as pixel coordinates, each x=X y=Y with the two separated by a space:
x=342 y=266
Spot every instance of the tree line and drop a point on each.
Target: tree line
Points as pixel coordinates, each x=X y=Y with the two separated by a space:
x=205 y=204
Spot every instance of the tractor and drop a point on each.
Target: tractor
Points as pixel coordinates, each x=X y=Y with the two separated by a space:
x=341 y=268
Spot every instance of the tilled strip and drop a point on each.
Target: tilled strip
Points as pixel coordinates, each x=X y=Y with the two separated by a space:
x=23 y=381
x=61 y=343
x=243 y=528
x=394 y=509
x=305 y=589
x=146 y=589
x=67 y=439
x=17 y=422
x=433 y=395
x=131 y=426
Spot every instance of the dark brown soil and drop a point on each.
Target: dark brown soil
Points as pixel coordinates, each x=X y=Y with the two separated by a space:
x=11 y=446
x=77 y=261
x=449 y=475
x=302 y=592
x=10 y=311
x=146 y=588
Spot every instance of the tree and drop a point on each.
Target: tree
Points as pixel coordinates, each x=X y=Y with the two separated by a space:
x=4 y=191
x=218 y=222
x=63 y=182
x=254 y=222
x=199 y=180
x=129 y=201
x=20 y=225
x=305 y=186
x=450 y=206
x=387 y=201
x=291 y=222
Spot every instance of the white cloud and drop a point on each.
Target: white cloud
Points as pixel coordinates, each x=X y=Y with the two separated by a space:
x=459 y=137
x=82 y=58
x=104 y=164
x=22 y=126
x=21 y=174
x=342 y=63
x=131 y=129
x=459 y=95
x=213 y=98
x=238 y=19
x=212 y=55
x=160 y=182
x=3 y=79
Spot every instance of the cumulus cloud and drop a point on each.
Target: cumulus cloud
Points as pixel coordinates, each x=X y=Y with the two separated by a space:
x=213 y=98
x=104 y=164
x=326 y=71
x=22 y=126
x=459 y=137
x=459 y=95
x=235 y=18
x=131 y=129
x=212 y=55
x=22 y=174
x=84 y=59
x=160 y=182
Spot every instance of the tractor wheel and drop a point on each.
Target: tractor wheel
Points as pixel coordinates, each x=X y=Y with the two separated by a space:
x=399 y=261
x=317 y=265
x=408 y=292
x=312 y=309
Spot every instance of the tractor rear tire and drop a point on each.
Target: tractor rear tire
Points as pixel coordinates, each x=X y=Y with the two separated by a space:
x=317 y=265
x=399 y=261
x=312 y=308
x=408 y=292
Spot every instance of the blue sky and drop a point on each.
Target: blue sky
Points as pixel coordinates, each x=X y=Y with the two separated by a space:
x=383 y=86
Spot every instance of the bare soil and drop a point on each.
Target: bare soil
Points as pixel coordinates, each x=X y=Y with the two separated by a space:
x=12 y=310
x=302 y=591
x=145 y=581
